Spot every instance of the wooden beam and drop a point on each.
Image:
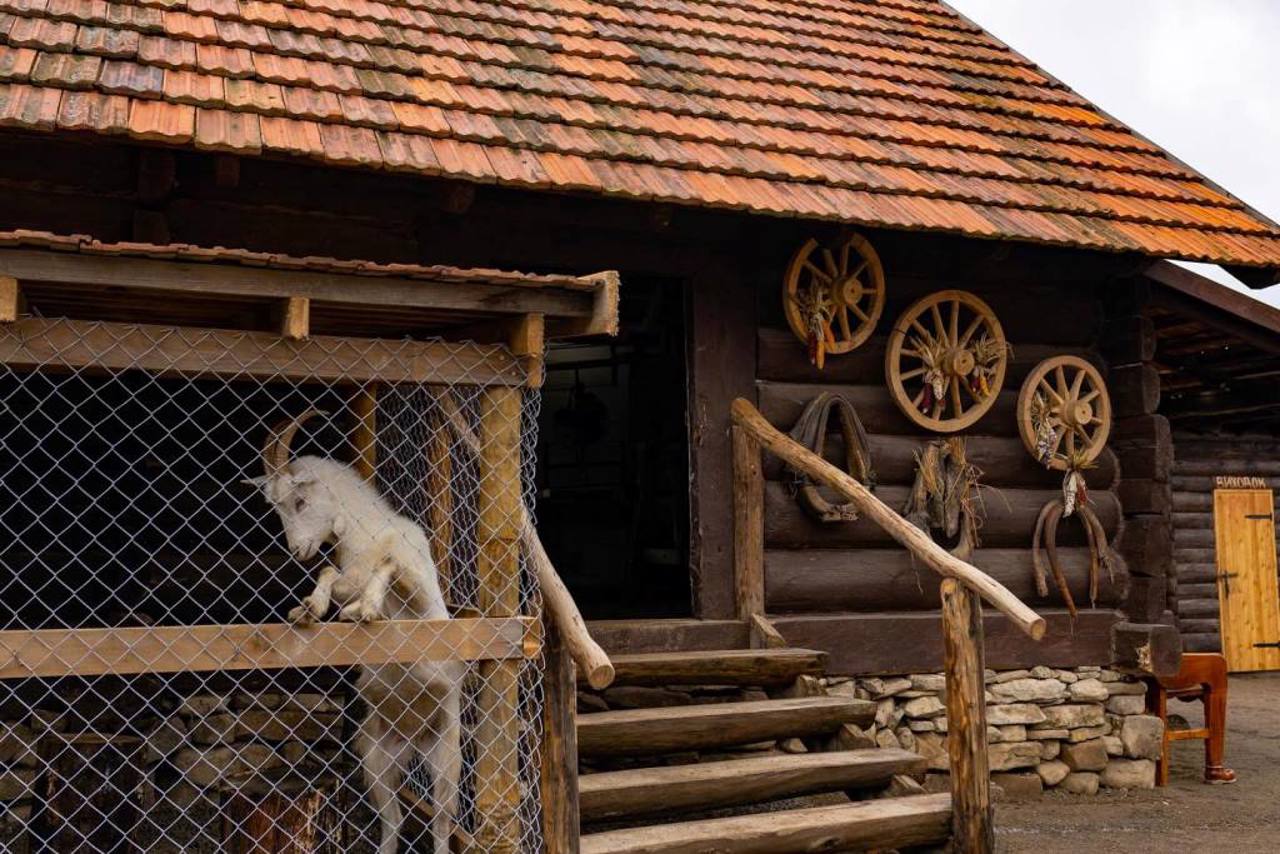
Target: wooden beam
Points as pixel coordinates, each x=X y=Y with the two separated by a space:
x=364 y=436
x=10 y=300
x=186 y=277
x=38 y=343
x=972 y=818
x=559 y=750
x=603 y=319
x=295 y=318
x=176 y=649
x=748 y=524
x=528 y=340
x=764 y=635
x=771 y=668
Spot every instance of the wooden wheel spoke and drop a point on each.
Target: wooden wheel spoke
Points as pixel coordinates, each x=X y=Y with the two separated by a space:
x=1057 y=398
x=844 y=257
x=1077 y=383
x=1060 y=379
x=820 y=274
x=821 y=277
x=911 y=374
x=830 y=261
x=928 y=336
x=862 y=315
x=969 y=330
x=954 y=331
x=858 y=272
x=844 y=322
x=915 y=401
x=912 y=353
x=938 y=325
x=1091 y=396
x=955 y=396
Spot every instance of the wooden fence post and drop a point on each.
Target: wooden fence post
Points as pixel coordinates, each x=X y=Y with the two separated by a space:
x=748 y=524
x=559 y=775
x=972 y=821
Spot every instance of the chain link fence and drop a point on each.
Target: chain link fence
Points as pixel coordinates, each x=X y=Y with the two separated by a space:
x=143 y=522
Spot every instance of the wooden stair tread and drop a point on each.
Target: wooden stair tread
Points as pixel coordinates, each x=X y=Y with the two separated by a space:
x=879 y=824
x=633 y=732
x=734 y=782
x=764 y=667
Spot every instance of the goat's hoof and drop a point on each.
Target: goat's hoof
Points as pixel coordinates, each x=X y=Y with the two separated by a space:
x=302 y=615
x=351 y=613
x=368 y=614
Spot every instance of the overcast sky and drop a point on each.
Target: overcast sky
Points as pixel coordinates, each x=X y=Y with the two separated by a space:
x=1199 y=77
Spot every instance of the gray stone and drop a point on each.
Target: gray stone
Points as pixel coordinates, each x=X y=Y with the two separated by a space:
x=1014 y=713
x=1050 y=749
x=16 y=783
x=933 y=682
x=792 y=745
x=17 y=745
x=1107 y=675
x=167 y=737
x=994 y=737
x=1085 y=755
x=899 y=786
x=928 y=706
x=286 y=724
x=906 y=738
x=1009 y=755
x=1010 y=675
x=1012 y=732
x=1129 y=774
x=1142 y=736
x=940 y=724
x=1115 y=747
x=885 y=738
x=1127 y=704
x=294 y=752
x=219 y=728
x=933 y=748
x=43 y=720
x=255 y=758
x=1019 y=787
x=1065 y=676
x=1088 y=733
x=850 y=737
x=1126 y=688
x=844 y=689
x=1053 y=772
x=1048 y=734
x=888 y=687
x=1070 y=716
x=884 y=712
x=1041 y=672
x=1029 y=690
x=1080 y=783
x=1088 y=691
x=804 y=686
x=924 y=726
x=200 y=705
x=205 y=768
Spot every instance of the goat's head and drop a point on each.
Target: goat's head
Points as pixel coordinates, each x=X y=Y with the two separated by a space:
x=308 y=508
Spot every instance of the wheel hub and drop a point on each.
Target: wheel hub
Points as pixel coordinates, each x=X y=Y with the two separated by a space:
x=962 y=362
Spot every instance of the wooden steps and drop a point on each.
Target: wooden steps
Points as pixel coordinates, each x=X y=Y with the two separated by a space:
x=614 y=795
x=879 y=824
x=764 y=667
x=638 y=732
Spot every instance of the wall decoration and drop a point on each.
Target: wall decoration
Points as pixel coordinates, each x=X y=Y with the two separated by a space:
x=944 y=496
x=833 y=295
x=946 y=360
x=1064 y=413
x=811 y=431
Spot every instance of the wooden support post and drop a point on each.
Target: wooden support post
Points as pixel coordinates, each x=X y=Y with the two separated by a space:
x=748 y=524
x=559 y=775
x=972 y=819
x=499 y=515
x=295 y=318
x=528 y=340
x=364 y=406
x=10 y=299
x=439 y=487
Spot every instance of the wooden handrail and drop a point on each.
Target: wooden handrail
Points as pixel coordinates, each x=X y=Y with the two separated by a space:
x=912 y=538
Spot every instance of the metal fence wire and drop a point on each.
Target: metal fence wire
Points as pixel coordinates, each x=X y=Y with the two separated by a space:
x=202 y=511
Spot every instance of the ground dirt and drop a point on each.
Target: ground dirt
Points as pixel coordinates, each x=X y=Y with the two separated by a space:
x=1185 y=816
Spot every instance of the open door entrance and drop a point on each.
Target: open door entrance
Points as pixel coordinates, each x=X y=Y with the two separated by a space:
x=613 y=461
x=1245 y=535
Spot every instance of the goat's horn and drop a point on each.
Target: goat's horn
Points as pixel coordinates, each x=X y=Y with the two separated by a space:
x=275 y=451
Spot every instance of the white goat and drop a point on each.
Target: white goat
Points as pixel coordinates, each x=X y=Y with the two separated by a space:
x=384 y=571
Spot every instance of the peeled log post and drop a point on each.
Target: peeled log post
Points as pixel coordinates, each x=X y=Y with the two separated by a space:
x=972 y=820
x=915 y=540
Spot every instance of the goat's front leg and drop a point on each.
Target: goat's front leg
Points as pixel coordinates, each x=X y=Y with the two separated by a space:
x=315 y=606
x=369 y=606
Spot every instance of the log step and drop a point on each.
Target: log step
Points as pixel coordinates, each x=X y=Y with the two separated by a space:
x=763 y=667
x=714 y=785
x=638 y=732
x=879 y=824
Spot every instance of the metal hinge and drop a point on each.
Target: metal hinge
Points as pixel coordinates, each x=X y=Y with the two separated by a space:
x=1226 y=580
x=1257 y=515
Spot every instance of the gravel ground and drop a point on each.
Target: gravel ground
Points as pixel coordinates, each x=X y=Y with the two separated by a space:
x=1185 y=816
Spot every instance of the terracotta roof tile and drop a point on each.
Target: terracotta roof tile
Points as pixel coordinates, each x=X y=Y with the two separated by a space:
x=894 y=113
x=28 y=106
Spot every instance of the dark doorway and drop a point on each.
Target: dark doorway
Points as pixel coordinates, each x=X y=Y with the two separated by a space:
x=613 y=461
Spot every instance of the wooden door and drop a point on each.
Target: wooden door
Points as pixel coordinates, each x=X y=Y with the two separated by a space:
x=1248 y=600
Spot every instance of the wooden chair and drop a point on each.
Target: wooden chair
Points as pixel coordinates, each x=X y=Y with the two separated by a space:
x=1203 y=677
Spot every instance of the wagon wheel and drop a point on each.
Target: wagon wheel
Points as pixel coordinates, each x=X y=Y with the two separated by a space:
x=834 y=295
x=1064 y=413
x=946 y=360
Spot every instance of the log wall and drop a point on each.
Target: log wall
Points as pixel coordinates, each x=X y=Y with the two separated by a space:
x=1198 y=460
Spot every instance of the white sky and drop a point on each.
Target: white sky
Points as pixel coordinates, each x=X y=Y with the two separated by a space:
x=1200 y=78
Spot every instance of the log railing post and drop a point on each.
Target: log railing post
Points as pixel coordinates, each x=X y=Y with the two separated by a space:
x=559 y=756
x=972 y=823
x=748 y=525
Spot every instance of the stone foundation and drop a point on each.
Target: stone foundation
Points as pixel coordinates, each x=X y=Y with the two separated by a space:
x=1074 y=729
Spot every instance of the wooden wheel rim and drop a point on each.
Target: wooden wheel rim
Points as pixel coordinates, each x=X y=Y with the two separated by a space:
x=906 y=384
x=856 y=288
x=1084 y=402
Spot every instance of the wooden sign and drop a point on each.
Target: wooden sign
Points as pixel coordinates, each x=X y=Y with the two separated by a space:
x=1228 y=481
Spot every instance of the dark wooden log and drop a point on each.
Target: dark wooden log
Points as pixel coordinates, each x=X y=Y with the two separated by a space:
x=627 y=636
x=1144 y=444
x=863 y=580
x=1194 y=538
x=1135 y=390
x=1197 y=483
x=1147 y=544
x=1202 y=642
x=1191 y=502
x=1128 y=340
x=1217 y=463
x=1144 y=495
x=1202 y=590
x=1196 y=521
x=748 y=525
x=1010 y=519
x=782 y=403
x=1003 y=461
x=1198 y=625
x=895 y=643
x=1146 y=648
x=1197 y=609
x=761 y=667
x=972 y=817
x=1147 y=598
x=1198 y=573
x=558 y=777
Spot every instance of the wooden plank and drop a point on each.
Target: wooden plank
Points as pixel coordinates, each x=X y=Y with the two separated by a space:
x=364 y=436
x=764 y=635
x=10 y=300
x=295 y=318
x=1247 y=584
x=765 y=667
x=715 y=785
x=896 y=643
x=1149 y=649
x=972 y=818
x=558 y=753
x=177 y=649
x=182 y=277
x=868 y=825
x=669 y=635
x=748 y=525
x=603 y=319
x=634 y=732
x=38 y=343
x=870 y=579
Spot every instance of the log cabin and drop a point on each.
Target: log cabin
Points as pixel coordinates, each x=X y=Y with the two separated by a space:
x=299 y=171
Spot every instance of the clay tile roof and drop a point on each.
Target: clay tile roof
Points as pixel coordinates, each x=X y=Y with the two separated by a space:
x=895 y=113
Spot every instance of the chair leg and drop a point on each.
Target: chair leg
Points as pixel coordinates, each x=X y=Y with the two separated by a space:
x=1215 y=718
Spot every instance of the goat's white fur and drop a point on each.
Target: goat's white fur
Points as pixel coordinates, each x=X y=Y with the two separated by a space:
x=384 y=571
